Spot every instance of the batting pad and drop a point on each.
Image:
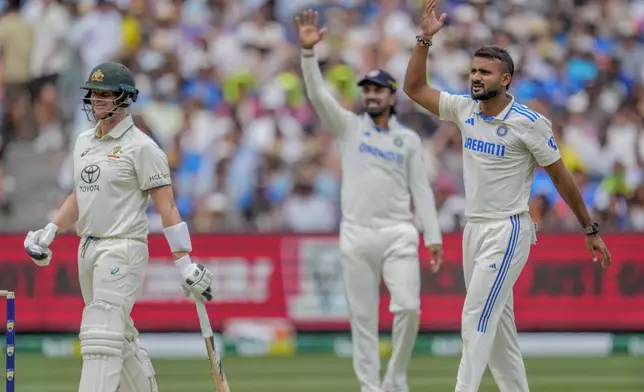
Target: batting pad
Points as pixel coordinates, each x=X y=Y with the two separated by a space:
x=138 y=373
x=102 y=342
x=178 y=237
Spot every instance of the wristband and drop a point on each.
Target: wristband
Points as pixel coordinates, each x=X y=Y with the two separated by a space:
x=424 y=40
x=592 y=229
x=308 y=52
x=178 y=237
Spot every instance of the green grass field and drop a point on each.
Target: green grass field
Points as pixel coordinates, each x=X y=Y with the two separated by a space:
x=327 y=373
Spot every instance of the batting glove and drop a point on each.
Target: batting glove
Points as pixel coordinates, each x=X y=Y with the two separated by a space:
x=196 y=279
x=37 y=244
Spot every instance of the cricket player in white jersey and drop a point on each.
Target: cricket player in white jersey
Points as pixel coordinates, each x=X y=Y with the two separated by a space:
x=382 y=171
x=116 y=168
x=502 y=142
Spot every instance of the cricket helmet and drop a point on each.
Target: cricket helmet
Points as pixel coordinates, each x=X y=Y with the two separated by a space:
x=114 y=77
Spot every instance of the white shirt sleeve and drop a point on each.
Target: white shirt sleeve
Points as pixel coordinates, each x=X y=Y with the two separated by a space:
x=449 y=105
x=541 y=142
x=423 y=196
x=152 y=167
x=334 y=116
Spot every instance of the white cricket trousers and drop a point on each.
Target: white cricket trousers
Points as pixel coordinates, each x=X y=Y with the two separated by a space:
x=111 y=274
x=369 y=255
x=494 y=253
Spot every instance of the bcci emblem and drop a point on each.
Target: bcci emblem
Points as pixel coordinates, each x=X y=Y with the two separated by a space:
x=502 y=131
x=10 y=350
x=9 y=326
x=9 y=375
x=97 y=76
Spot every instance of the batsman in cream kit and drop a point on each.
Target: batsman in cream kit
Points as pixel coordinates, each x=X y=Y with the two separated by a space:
x=117 y=168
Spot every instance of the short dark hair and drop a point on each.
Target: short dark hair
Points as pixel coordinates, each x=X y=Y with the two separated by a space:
x=497 y=52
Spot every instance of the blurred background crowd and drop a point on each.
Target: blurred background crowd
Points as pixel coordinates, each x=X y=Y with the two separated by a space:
x=222 y=94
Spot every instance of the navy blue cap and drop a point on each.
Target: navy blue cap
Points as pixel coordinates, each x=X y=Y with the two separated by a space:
x=379 y=77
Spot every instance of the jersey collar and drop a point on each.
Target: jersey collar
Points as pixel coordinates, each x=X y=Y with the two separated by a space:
x=118 y=130
x=393 y=122
x=501 y=116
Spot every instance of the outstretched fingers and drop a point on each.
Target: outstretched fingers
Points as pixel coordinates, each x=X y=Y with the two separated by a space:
x=310 y=15
x=430 y=5
x=306 y=18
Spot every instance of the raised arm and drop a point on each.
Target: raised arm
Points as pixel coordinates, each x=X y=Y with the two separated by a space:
x=334 y=116
x=415 y=85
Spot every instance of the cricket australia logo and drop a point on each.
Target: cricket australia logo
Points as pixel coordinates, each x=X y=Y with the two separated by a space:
x=9 y=375
x=97 y=76
x=10 y=350
x=9 y=326
x=116 y=152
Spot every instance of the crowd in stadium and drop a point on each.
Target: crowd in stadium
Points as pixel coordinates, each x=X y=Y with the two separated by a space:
x=221 y=93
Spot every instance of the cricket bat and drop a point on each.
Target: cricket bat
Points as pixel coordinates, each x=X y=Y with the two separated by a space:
x=216 y=368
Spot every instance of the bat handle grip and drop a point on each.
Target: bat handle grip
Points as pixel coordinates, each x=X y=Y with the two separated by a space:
x=204 y=321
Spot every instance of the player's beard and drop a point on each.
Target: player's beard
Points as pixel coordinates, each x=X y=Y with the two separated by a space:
x=375 y=111
x=486 y=93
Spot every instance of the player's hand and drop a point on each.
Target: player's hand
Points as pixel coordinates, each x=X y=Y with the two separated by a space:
x=307 y=25
x=436 y=257
x=196 y=279
x=595 y=245
x=430 y=24
x=37 y=244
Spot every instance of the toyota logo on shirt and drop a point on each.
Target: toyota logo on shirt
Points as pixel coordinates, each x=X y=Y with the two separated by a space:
x=90 y=174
